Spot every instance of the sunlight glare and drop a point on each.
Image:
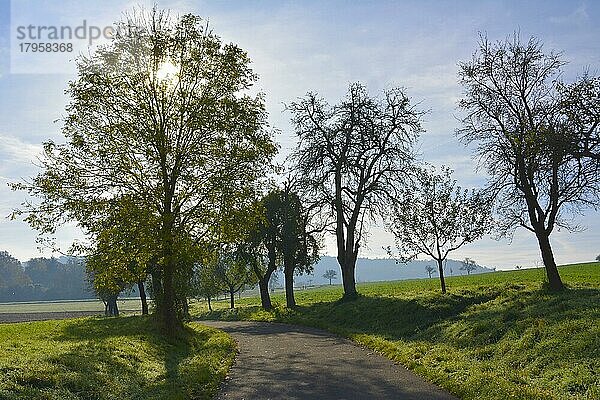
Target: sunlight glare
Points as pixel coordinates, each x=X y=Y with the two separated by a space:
x=167 y=70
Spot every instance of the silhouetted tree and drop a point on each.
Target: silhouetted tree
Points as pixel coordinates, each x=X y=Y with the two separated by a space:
x=429 y=269
x=436 y=217
x=351 y=160
x=535 y=136
x=330 y=274
x=468 y=265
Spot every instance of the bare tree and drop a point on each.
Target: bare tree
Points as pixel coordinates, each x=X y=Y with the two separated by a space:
x=429 y=269
x=468 y=265
x=436 y=217
x=351 y=160
x=533 y=135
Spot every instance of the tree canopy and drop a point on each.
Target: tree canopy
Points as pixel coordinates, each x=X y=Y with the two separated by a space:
x=173 y=142
x=351 y=161
x=536 y=136
x=436 y=217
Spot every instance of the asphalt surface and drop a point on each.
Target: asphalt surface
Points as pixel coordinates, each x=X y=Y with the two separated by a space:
x=280 y=361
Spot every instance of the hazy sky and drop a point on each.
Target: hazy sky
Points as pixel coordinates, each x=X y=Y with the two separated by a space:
x=318 y=46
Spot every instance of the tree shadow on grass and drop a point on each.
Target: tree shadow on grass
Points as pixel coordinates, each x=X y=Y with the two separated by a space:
x=125 y=358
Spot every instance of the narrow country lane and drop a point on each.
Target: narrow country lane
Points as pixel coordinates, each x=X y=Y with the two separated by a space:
x=280 y=361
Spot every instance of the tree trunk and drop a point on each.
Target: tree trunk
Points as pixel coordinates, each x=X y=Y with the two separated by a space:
x=185 y=308
x=111 y=309
x=554 y=281
x=349 y=281
x=442 y=280
x=289 y=287
x=143 y=299
x=168 y=303
x=329 y=281
x=231 y=299
x=265 y=298
x=209 y=305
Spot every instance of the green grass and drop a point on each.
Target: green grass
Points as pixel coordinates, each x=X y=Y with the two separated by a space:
x=493 y=336
x=110 y=358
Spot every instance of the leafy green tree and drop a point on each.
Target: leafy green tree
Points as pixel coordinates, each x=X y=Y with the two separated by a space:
x=232 y=272
x=436 y=217
x=11 y=272
x=123 y=247
x=330 y=274
x=161 y=114
x=351 y=161
x=298 y=245
x=535 y=135
x=259 y=247
x=205 y=282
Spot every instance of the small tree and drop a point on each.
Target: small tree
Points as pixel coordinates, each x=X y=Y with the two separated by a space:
x=330 y=274
x=468 y=265
x=429 y=269
x=204 y=282
x=436 y=217
x=232 y=273
x=598 y=257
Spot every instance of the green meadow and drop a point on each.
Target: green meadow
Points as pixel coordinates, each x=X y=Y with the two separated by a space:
x=499 y=335
x=111 y=358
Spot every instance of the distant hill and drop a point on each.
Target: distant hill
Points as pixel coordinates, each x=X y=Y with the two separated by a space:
x=372 y=270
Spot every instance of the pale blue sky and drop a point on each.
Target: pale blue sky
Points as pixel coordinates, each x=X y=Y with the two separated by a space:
x=319 y=46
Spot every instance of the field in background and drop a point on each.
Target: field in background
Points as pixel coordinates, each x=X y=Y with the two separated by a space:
x=494 y=336
x=131 y=305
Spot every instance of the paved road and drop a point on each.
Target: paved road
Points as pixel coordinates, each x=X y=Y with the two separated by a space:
x=279 y=361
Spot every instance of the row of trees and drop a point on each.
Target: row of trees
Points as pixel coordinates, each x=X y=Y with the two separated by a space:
x=167 y=165
x=42 y=279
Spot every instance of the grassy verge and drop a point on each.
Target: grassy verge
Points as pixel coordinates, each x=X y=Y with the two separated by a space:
x=117 y=358
x=494 y=336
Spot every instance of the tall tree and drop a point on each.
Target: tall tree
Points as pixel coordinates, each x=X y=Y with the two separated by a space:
x=162 y=113
x=436 y=217
x=535 y=135
x=352 y=159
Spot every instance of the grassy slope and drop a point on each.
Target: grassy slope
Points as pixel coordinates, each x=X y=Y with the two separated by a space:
x=117 y=358
x=494 y=336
